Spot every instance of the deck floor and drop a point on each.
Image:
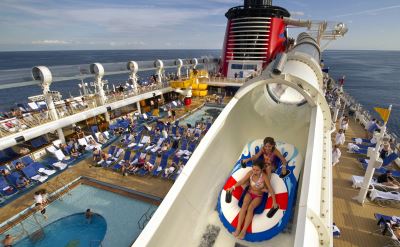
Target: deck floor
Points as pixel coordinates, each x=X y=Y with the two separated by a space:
x=356 y=222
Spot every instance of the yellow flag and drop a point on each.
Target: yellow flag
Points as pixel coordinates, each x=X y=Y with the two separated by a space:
x=383 y=112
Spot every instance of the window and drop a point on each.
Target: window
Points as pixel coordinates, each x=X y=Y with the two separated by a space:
x=250 y=67
x=237 y=66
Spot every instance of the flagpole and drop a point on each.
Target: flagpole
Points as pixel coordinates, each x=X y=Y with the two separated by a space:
x=374 y=162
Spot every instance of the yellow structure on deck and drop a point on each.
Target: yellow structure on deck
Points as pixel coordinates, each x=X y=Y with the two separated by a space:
x=197 y=81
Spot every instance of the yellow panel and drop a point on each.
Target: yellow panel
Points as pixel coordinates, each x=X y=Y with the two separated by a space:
x=202 y=86
x=203 y=93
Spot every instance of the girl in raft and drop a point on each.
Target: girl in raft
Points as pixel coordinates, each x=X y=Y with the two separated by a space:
x=269 y=153
x=258 y=183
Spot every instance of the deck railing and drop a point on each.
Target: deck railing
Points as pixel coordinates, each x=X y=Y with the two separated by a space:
x=36 y=118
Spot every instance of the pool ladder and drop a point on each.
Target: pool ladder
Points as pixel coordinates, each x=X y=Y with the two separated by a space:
x=142 y=222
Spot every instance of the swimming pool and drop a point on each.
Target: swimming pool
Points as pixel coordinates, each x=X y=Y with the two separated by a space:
x=123 y=218
x=73 y=230
x=205 y=112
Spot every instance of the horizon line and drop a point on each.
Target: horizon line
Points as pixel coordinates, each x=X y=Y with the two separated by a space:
x=172 y=49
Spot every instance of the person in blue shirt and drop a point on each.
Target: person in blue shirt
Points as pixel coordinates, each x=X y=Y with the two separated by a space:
x=21 y=181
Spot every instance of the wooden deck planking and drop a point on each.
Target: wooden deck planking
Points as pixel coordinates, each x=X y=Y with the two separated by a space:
x=356 y=222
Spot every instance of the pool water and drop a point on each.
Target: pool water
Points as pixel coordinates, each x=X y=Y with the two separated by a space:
x=73 y=230
x=205 y=113
x=123 y=220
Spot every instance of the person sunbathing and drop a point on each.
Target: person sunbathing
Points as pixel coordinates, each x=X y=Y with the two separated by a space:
x=269 y=153
x=74 y=153
x=19 y=166
x=259 y=183
x=148 y=166
x=101 y=139
x=4 y=172
x=388 y=180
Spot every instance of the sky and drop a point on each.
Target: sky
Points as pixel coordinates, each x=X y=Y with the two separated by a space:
x=177 y=24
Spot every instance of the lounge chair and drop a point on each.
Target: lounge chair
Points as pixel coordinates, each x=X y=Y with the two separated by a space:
x=27 y=160
x=111 y=152
x=163 y=165
x=61 y=157
x=57 y=143
x=5 y=188
x=32 y=173
x=152 y=161
x=387 y=161
x=385 y=198
x=382 y=170
x=51 y=149
x=385 y=222
x=126 y=158
x=42 y=169
x=358 y=182
x=362 y=140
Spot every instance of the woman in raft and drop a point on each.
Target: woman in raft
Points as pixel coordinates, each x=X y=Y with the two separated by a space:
x=259 y=183
x=269 y=152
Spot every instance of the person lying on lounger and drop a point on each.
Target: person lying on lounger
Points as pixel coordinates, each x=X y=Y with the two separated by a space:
x=259 y=183
x=388 y=180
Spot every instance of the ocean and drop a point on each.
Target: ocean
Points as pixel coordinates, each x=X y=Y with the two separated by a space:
x=372 y=77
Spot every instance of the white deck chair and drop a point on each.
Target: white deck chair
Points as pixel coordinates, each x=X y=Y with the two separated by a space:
x=383 y=198
x=57 y=143
x=51 y=149
x=158 y=146
x=39 y=178
x=33 y=105
x=46 y=171
x=145 y=140
x=106 y=134
x=60 y=165
x=83 y=142
x=59 y=155
x=97 y=145
x=358 y=182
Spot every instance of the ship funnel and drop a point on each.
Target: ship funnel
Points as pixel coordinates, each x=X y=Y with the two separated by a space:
x=43 y=74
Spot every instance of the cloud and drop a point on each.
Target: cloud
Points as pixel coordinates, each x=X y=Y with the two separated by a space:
x=296 y=13
x=370 y=11
x=50 y=42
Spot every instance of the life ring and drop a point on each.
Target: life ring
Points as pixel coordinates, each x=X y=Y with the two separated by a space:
x=263 y=228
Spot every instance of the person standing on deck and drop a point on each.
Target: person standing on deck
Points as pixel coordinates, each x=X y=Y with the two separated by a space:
x=336 y=155
x=344 y=123
x=340 y=138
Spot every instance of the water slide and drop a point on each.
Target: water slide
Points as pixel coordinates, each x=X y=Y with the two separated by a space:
x=285 y=102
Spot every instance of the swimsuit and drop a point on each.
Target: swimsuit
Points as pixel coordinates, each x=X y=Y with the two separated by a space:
x=259 y=184
x=269 y=158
